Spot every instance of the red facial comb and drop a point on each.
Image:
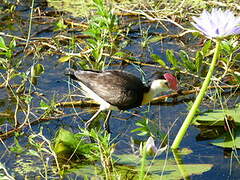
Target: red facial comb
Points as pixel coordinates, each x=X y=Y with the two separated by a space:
x=173 y=83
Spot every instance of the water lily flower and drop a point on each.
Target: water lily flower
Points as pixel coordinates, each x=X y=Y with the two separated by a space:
x=217 y=24
x=150 y=146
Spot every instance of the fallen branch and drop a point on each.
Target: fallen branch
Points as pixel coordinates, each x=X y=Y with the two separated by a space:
x=11 y=132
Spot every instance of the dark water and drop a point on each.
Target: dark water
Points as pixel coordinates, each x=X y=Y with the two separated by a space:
x=53 y=83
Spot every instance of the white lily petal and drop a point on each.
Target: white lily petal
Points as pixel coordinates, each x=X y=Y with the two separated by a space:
x=150 y=146
x=217 y=23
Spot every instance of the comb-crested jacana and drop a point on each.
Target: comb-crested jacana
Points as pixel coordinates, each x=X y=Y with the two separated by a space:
x=119 y=90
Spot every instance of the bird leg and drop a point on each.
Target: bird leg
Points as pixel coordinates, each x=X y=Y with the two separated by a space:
x=106 y=122
x=87 y=124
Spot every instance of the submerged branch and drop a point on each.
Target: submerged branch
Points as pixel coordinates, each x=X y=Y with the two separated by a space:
x=11 y=132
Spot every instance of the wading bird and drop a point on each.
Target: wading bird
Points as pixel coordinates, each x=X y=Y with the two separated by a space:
x=119 y=90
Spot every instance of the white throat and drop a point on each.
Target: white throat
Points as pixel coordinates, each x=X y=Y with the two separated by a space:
x=157 y=86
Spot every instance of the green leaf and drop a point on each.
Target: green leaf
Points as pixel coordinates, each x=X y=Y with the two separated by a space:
x=227 y=141
x=155 y=169
x=206 y=48
x=3 y=63
x=137 y=129
x=216 y=117
x=36 y=71
x=171 y=58
x=142 y=133
x=64 y=59
x=17 y=148
x=225 y=45
x=33 y=153
x=186 y=61
x=43 y=105
x=39 y=69
x=142 y=124
x=158 y=60
x=237 y=77
x=121 y=54
x=12 y=44
x=2 y=44
x=66 y=143
x=92 y=43
x=155 y=39
x=60 y=25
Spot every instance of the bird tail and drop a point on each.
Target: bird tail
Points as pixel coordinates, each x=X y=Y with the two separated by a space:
x=71 y=73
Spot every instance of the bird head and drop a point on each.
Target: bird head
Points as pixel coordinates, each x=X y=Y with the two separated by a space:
x=164 y=82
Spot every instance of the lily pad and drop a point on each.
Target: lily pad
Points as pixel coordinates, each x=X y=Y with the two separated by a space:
x=228 y=140
x=127 y=167
x=216 y=117
x=160 y=169
x=77 y=8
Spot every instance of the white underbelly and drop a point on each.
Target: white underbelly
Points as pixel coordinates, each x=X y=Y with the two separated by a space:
x=104 y=105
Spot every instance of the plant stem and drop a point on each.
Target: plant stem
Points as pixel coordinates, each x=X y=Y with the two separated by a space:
x=198 y=100
x=143 y=161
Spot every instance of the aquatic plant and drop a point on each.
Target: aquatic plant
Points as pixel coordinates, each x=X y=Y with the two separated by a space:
x=215 y=25
x=100 y=31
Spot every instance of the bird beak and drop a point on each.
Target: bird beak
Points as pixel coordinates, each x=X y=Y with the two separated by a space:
x=173 y=83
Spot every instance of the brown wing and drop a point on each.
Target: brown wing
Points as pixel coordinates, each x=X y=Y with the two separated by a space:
x=118 y=88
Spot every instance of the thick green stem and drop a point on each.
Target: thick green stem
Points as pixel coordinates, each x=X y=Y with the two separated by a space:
x=198 y=100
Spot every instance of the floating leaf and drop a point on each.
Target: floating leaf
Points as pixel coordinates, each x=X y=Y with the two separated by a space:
x=77 y=8
x=89 y=170
x=159 y=169
x=216 y=117
x=227 y=140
